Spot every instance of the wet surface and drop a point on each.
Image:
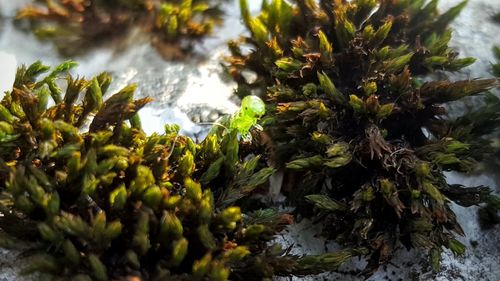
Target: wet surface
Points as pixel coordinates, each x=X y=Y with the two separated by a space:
x=193 y=93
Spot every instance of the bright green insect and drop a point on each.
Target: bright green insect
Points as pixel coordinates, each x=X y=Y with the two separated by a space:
x=251 y=110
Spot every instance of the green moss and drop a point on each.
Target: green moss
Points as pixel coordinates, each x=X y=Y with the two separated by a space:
x=355 y=126
x=489 y=215
x=94 y=198
x=77 y=25
x=496 y=66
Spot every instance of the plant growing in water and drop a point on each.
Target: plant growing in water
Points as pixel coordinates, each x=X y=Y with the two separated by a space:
x=75 y=25
x=94 y=198
x=355 y=126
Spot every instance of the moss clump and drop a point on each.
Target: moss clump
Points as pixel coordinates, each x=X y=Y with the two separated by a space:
x=76 y=25
x=355 y=127
x=97 y=199
x=489 y=215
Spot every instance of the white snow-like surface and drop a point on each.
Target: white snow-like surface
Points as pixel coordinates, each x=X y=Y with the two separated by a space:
x=7 y=72
x=193 y=92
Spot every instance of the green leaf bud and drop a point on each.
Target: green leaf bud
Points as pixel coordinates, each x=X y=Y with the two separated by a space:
x=186 y=165
x=70 y=252
x=171 y=226
x=325 y=202
x=98 y=268
x=179 y=251
x=118 y=197
x=152 y=196
x=193 y=190
x=206 y=237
